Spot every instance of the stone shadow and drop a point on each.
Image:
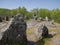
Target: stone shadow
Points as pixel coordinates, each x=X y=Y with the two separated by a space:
x=40 y=42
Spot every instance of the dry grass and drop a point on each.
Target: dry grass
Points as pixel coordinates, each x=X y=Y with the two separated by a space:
x=48 y=41
x=30 y=30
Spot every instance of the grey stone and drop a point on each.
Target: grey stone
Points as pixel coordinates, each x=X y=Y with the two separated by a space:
x=16 y=33
x=0 y=19
x=38 y=33
x=46 y=18
x=42 y=32
x=7 y=18
x=35 y=16
x=12 y=16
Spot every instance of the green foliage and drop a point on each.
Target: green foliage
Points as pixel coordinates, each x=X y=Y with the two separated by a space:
x=13 y=12
x=52 y=14
x=43 y=13
x=56 y=15
x=4 y=12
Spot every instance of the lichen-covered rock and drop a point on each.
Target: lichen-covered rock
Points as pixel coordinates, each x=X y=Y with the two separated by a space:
x=41 y=32
x=38 y=33
x=16 y=33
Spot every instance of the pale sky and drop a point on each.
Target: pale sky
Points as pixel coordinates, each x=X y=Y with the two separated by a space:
x=30 y=4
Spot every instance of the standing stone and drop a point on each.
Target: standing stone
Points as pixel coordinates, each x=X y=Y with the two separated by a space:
x=41 y=32
x=0 y=19
x=52 y=22
x=7 y=18
x=16 y=33
x=35 y=16
x=12 y=16
x=46 y=18
x=44 y=31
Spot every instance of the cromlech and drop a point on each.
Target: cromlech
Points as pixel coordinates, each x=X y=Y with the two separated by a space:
x=16 y=33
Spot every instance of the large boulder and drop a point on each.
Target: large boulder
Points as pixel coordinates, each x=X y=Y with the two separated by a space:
x=41 y=32
x=16 y=33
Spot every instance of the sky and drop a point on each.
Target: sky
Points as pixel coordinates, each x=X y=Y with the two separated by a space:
x=30 y=4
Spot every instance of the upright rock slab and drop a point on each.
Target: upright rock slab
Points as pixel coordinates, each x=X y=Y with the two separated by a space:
x=0 y=19
x=16 y=33
x=7 y=18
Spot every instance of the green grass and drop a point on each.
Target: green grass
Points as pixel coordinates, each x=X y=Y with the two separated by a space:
x=46 y=39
